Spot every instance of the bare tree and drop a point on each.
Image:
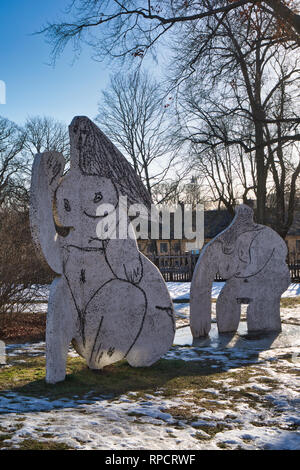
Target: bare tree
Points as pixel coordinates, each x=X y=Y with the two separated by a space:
x=191 y=191
x=133 y=114
x=18 y=146
x=12 y=163
x=20 y=269
x=240 y=108
x=45 y=134
x=132 y=27
x=283 y=154
x=227 y=176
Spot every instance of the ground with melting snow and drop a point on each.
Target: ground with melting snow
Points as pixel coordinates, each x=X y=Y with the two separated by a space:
x=252 y=402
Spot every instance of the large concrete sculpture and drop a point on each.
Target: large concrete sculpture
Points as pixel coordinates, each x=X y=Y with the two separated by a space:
x=108 y=299
x=252 y=259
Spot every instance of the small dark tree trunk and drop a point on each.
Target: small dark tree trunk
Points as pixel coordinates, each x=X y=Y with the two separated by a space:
x=261 y=174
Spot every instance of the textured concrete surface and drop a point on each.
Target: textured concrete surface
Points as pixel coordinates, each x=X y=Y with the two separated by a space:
x=251 y=257
x=109 y=300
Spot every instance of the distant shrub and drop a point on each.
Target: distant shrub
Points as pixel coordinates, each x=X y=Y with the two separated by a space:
x=21 y=270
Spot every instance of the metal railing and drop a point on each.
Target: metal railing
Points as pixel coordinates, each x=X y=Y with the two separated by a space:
x=180 y=268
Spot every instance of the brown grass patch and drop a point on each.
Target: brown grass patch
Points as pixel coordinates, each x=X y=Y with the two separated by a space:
x=22 y=327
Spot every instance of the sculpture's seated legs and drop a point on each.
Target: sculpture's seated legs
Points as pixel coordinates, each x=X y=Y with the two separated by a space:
x=112 y=327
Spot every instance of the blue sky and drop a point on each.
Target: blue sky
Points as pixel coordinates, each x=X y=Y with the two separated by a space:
x=32 y=86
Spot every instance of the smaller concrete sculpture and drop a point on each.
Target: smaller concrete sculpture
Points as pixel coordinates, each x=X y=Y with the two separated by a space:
x=252 y=259
x=108 y=299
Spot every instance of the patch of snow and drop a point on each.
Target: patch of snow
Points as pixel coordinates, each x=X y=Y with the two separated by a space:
x=181 y=290
x=261 y=412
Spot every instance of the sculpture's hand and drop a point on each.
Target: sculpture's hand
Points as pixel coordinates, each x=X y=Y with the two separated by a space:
x=47 y=170
x=124 y=260
x=134 y=270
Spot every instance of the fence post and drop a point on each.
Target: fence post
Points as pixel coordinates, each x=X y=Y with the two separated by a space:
x=190 y=266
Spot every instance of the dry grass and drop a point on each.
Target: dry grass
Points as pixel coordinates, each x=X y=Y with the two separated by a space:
x=289 y=302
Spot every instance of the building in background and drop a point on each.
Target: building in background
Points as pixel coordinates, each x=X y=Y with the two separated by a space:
x=214 y=222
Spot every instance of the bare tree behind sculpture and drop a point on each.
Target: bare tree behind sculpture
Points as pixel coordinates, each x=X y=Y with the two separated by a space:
x=21 y=271
x=239 y=112
x=133 y=27
x=46 y=134
x=133 y=113
x=12 y=163
x=20 y=268
x=191 y=191
x=130 y=29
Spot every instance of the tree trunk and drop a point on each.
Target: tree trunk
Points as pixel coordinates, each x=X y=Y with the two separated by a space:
x=261 y=173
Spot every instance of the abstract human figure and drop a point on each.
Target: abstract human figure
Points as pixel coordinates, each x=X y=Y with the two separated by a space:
x=108 y=299
x=252 y=259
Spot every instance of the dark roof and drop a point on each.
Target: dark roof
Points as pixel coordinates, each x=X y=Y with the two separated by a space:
x=215 y=221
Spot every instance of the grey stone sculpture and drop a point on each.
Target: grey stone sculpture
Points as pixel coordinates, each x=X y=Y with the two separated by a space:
x=252 y=259
x=108 y=299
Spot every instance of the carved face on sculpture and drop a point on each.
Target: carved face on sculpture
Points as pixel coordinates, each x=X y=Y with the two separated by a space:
x=80 y=199
x=81 y=202
x=98 y=175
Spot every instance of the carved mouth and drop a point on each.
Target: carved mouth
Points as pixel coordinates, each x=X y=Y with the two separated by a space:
x=95 y=216
x=94 y=239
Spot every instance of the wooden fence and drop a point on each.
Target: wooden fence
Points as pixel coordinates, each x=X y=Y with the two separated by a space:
x=180 y=268
x=295 y=272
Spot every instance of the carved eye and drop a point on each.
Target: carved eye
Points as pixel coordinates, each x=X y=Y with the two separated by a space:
x=98 y=197
x=67 y=205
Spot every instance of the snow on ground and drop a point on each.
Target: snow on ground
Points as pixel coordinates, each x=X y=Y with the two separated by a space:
x=288 y=314
x=127 y=423
x=223 y=418
x=260 y=413
x=252 y=402
x=178 y=291
x=181 y=290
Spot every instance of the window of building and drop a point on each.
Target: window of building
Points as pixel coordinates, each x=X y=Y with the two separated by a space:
x=163 y=248
x=150 y=248
x=176 y=247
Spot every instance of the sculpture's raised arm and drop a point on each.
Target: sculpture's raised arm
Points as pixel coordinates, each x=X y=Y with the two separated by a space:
x=47 y=170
